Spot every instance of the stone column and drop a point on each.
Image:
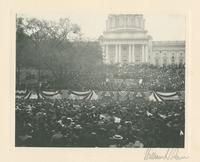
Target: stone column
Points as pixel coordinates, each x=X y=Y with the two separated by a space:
x=143 y=53
x=103 y=53
x=116 y=54
x=133 y=54
x=119 y=53
x=144 y=59
x=107 y=57
x=129 y=53
x=146 y=53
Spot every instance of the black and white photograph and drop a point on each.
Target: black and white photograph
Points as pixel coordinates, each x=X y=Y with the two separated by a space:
x=114 y=80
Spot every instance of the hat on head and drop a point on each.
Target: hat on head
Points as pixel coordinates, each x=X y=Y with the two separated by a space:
x=93 y=133
x=118 y=137
x=138 y=144
x=78 y=126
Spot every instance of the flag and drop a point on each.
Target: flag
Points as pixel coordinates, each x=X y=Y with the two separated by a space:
x=168 y=95
x=154 y=97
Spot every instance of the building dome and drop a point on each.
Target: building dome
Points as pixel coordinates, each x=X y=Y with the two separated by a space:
x=121 y=22
x=127 y=41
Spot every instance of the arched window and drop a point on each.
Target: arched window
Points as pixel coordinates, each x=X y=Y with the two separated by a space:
x=124 y=53
x=173 y=60
x=110 y=23
x=121 y=21
x=132 y=21
x=138 y=53
x=117 y=21
x=113 y=22
x=111 y=53
x=157 y=61
x=181 y=60
x=136 y=22
x=164 y=61
x=129 y=21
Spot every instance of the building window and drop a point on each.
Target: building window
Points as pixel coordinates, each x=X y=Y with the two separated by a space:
x=111 y=53
x=173 y=60
x=113 y=23
x=124 y=53
x=157 y=61
x=181 y=55
x=117 y=21
x=181 y=61
x=136 y=22
x=165 y=61
x=133 y=21
x=138 y=53
x=110 y=23
x=121 y=21
x=129 y=21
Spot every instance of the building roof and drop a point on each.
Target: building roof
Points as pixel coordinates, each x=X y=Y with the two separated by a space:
x=168 y=44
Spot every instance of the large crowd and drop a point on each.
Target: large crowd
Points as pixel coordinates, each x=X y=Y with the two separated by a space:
x=106 y=122
x=169 y=78
x=102 y=123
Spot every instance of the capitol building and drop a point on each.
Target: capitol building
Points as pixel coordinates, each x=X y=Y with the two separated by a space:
x=126 y=41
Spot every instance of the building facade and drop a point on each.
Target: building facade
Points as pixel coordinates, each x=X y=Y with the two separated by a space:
x=126 y=41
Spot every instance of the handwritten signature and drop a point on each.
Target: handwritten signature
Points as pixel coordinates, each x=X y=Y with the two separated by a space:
x=169 y=154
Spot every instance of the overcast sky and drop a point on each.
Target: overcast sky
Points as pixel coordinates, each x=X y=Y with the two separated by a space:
x=160 y=27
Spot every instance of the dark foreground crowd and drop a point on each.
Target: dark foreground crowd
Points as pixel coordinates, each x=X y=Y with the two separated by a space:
x=101 y=123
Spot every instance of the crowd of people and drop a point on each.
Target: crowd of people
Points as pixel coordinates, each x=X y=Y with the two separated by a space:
x=102 y=123
x=169 y=78
x=106 y=122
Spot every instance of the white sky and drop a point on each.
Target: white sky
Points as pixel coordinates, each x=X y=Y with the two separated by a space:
x=160 y=27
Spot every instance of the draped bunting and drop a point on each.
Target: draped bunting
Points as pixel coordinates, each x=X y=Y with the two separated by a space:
x=51 y=93
x=33 y=95
x=168 y=96
x=80 y=93
x=94 y=95
x=75 y=95
x=161 y=96
x=88 y=95
x=154 y=97
x=56 y=96
x=21 y=93
x=166 y=93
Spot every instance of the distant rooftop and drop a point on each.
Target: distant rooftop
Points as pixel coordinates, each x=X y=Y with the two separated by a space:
x=125 y=15
x=181 y=42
